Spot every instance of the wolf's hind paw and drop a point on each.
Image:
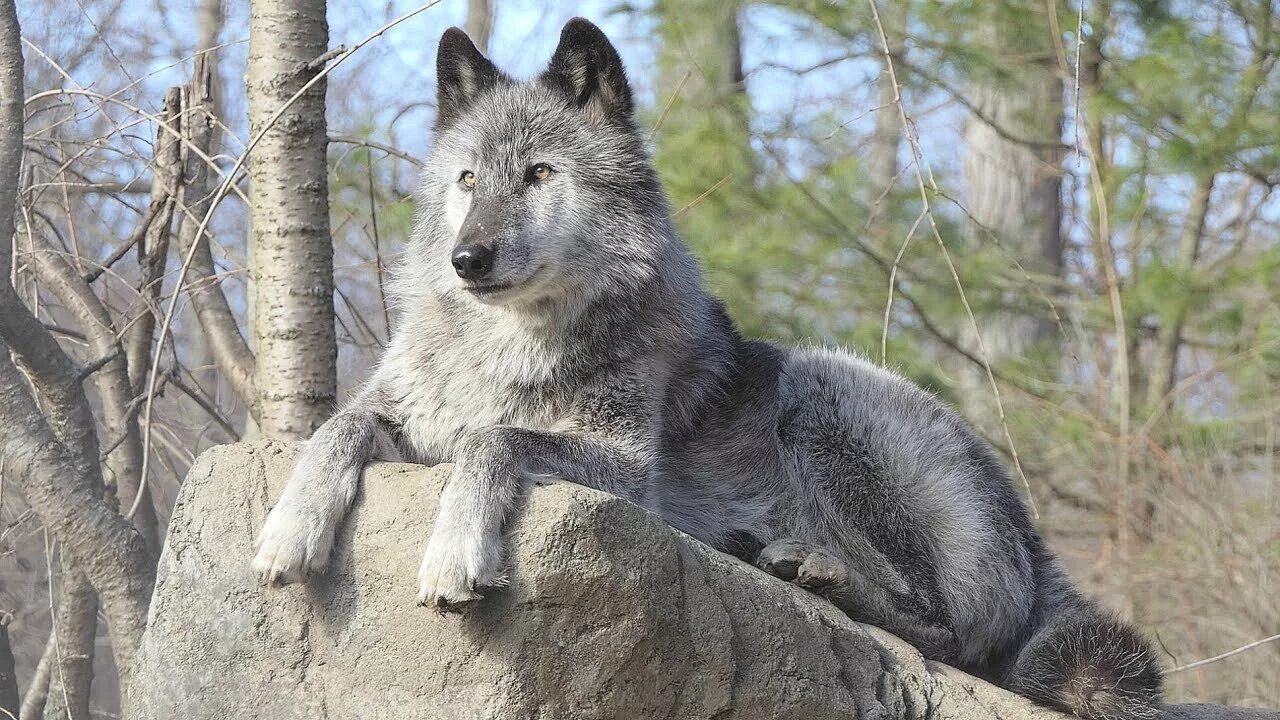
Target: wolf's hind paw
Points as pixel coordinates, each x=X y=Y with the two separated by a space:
x=804 y=564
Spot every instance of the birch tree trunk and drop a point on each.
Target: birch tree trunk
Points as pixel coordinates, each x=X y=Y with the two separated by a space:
x=293 y=325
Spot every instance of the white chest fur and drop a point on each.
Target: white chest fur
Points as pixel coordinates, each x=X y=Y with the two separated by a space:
x=447 y=387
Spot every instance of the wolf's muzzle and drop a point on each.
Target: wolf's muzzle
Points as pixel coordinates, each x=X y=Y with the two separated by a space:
x=473 y=262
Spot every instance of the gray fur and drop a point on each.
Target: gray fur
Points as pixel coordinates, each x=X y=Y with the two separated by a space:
x=600 y=359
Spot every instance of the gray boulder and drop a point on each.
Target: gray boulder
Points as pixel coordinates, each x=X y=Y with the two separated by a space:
x=609 y=614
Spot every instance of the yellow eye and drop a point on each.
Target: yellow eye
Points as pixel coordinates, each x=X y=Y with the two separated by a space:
x=541 y=171
x=468 y=178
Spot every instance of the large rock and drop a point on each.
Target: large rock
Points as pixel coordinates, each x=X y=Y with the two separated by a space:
x=609 y=614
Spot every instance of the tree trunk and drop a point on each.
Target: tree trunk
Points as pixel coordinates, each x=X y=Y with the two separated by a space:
x=95 y=539
x=115 y=391
x=882 y=152
x=1013 y=187
x=8 y=674
x=1164 y=361
x=293 y=328
x=479 y=24
x=209 y=23
x=75 y=630
x=54 y=461
x=153 y=249
x=703 y=150
x=12 y=95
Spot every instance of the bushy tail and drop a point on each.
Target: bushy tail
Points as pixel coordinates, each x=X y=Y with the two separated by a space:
x=1090 y=664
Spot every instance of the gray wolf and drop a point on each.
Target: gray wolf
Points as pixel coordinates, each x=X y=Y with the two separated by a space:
x=554 y=325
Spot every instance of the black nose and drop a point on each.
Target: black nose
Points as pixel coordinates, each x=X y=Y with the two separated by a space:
x=472 y=262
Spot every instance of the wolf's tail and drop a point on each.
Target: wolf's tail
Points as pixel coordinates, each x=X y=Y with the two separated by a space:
x=1088 y=663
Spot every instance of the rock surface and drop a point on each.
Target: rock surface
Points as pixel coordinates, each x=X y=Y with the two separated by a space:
x=609 y=614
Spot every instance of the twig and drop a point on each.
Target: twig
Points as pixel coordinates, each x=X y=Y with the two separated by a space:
x=693 y=203
x=317 y=63
x=1223 y=656
x=1075 y=103
x=377 y=249
x=126 y=88
x=978 y=112
x=93 y=367
x=153 y=211
x=893 y=283
x=653 y=132
x=207 y=404
x=159 y=123
x=388 y=149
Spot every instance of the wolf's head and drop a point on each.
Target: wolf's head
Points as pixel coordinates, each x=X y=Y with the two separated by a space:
x=541 y=189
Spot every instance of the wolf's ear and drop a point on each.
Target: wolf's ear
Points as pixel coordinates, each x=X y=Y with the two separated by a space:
x=587 y=67
x=462 y=75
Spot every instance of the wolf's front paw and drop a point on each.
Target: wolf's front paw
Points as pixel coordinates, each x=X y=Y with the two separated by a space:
x=456 y=569
x=804 y=564
x=291 y=545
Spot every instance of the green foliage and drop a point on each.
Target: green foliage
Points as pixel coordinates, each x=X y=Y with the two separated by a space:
x=1172 y=94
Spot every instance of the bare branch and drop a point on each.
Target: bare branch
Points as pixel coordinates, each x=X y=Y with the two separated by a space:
x=70 y=504
x=317 y=63
x=115 y=391
x=978 y=112
x=159 y=213
x=56 y=473
x=222 y=333
x=388 y=149
x=136 y=186
x=205 y=403
x=38 y=689
x=153 y=233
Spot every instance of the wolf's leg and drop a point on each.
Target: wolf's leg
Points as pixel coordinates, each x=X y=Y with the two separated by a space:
x=859 y=596
x=298 y=534
x=464 y=554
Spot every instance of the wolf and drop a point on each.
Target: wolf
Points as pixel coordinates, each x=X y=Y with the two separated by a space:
x=552 y=324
